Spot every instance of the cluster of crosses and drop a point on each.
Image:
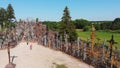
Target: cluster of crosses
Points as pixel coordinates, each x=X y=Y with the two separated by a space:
x=86 y=51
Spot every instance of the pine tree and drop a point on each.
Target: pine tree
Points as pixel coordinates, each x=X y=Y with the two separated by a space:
x=37 y=20
x=67 y=27
x=10 y=14
x=2 y=17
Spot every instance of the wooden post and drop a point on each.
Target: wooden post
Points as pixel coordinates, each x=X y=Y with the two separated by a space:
x=61 y=42
x=111 y=44
x=45 y=40
x=66 y=41
x=9 y=52
x=78 y=44
x=49 y=43
x=112 y=61
x=111 y=50
x=103 y=51
x=57 y=41
x=84 y=51
x=92 y=38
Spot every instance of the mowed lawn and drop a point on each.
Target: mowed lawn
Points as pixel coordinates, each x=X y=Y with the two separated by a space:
x=101 y=35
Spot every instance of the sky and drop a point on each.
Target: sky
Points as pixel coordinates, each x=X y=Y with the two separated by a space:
x=52 y=10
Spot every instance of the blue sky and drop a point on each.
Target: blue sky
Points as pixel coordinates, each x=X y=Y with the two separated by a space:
x=52 y=10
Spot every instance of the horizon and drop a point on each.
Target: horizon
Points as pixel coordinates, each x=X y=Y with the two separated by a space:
x=45 y=10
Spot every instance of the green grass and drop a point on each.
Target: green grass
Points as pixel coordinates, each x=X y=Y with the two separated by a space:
x=59 y=65
x=100 y=34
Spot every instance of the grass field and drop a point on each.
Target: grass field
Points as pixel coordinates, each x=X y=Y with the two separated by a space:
x=100 y=34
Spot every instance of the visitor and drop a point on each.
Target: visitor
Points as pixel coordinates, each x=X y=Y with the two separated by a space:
x=31 y=47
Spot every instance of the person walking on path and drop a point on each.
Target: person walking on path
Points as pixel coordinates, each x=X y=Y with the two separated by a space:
x=31 y=47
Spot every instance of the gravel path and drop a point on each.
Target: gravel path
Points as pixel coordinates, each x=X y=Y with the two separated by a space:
x=38 y=57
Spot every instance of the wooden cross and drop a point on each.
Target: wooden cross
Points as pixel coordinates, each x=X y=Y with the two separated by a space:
x=112 y=42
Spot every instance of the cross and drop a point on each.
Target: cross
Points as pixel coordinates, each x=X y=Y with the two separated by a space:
x=112 y=42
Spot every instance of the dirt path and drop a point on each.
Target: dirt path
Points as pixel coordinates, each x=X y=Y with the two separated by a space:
x=38 y=57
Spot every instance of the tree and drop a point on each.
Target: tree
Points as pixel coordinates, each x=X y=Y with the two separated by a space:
x=66 y=26
x=105 y=25
x=51 y=25
x=97 y=26
x=37 y=20
x=86 y=28
x=116 y=24
x=81 y=23
x=2 y=16
x=10 y=14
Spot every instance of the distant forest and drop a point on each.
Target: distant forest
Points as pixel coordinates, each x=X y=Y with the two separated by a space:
x=86 y=25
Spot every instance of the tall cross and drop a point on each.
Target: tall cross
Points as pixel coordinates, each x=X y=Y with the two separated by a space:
x=112 y=42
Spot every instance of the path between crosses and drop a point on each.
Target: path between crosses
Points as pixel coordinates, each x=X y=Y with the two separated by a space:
x=38 y=57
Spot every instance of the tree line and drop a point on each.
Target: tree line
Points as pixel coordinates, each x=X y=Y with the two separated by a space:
x=7 y=17
x=86 y=25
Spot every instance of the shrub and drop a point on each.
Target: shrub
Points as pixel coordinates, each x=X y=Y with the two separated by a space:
x=86 y=28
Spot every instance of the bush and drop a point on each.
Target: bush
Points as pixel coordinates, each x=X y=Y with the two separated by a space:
x=86 y=28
